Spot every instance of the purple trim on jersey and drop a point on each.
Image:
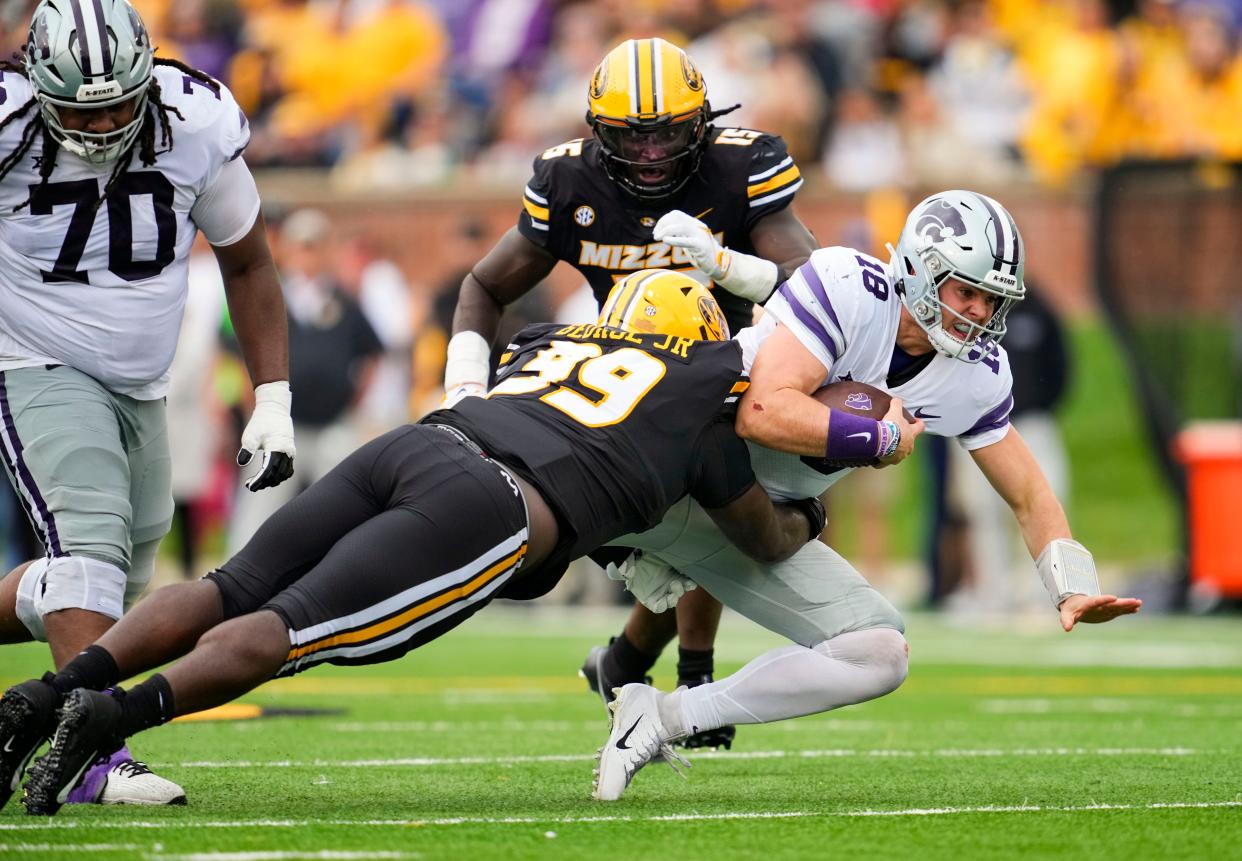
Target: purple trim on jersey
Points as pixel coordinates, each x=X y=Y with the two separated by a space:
x=817 y=289
x=807 y=319
x=997 y=418
x=25 y=481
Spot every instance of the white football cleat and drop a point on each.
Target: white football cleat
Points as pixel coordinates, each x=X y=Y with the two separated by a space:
x=131 y=782
x=638 y=736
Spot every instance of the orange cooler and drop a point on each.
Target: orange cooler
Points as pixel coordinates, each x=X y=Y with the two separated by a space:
x=1212 y=454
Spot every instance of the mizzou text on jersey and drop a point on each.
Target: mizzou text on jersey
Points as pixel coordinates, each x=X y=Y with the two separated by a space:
x=573 y=209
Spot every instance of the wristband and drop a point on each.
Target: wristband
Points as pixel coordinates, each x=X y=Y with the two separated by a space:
x=890 y=438
x=468 y=360
x=853 y=439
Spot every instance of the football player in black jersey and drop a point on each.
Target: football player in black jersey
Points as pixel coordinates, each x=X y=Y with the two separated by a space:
x=592 y=432
x=656 y=186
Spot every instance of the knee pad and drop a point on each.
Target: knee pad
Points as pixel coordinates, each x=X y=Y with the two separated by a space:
x=883 y=651
x=68 y=583
x=141 y=570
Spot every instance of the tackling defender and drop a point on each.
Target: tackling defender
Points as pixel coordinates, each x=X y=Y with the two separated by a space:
x=926 y=327
x=113 y=160
x=619 y=202
x=590 y=432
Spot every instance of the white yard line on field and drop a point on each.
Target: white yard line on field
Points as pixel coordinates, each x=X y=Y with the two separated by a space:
x=61 y=848
x=169 y=824
x=422 y=762
x=451 y=726
x=154 y=853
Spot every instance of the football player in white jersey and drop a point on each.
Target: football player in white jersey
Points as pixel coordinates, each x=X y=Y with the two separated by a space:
x=925 y=326
x=110 y=161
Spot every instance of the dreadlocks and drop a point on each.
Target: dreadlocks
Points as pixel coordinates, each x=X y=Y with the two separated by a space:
x=157 y=114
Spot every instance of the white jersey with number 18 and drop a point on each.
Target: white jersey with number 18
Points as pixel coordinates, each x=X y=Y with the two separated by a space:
x=842 y=307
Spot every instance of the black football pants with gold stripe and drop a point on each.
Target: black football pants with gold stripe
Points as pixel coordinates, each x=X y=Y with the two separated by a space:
x=404 y=540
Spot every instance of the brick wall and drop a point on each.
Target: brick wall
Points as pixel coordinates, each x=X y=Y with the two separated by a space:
x=418 y=231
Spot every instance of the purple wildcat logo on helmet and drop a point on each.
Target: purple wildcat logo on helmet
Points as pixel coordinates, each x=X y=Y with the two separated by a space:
x=858 y=401
x=941 y=221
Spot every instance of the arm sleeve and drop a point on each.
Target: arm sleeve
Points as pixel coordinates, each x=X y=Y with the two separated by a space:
x=771 y=180
x=723 y=471
x=229 y=206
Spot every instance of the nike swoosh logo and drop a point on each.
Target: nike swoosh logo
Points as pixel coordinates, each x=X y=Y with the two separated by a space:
x=919 y=414
x=866 y=436
x=621 y=742
x=8 y=745
x=68 y=787
x=704 y=212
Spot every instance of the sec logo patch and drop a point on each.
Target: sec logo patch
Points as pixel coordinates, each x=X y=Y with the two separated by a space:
x=584 y=216
x=647 y=221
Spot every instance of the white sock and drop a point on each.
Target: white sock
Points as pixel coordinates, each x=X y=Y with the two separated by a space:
x=793 y=681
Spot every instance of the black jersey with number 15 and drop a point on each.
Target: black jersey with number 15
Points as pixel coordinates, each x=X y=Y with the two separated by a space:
x=612 y=427
x=572 y=209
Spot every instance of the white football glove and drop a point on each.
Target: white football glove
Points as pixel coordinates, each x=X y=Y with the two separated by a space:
x=466 y=367
x=742 y=275
x=655 y=584
x=685 y=231
x=269 y=431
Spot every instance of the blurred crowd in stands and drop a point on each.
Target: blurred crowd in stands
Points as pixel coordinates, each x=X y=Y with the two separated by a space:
x=399 y=94
x=880 y=97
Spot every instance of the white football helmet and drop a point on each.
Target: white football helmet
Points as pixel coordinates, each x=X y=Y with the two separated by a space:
x=970 y=237
x=87 y=54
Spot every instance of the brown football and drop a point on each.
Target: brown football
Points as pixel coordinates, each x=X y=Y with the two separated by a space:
x=857 y=398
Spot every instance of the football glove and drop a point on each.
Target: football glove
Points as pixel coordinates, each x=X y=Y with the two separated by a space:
x=742 y=275
x=655 y=584
x=466 y=367
x=270 y=432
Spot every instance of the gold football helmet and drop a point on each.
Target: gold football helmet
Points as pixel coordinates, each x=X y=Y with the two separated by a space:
x=663 y=302
x=647 y=106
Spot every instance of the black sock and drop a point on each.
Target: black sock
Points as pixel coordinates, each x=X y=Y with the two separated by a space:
x=625 y=663
x=93 y=668
x=146 y=705
x=695 y=667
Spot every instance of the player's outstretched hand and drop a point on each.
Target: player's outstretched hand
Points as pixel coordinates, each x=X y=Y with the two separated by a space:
x=910 y=428
x=269 y=433
x=1093 y=609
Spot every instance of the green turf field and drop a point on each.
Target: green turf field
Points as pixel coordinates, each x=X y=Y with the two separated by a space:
x=1117 y=741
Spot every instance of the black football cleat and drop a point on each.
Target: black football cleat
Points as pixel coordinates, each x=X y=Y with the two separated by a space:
x=89 y=729
x=27 y=719
x=715 y=739
x=599 y=682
